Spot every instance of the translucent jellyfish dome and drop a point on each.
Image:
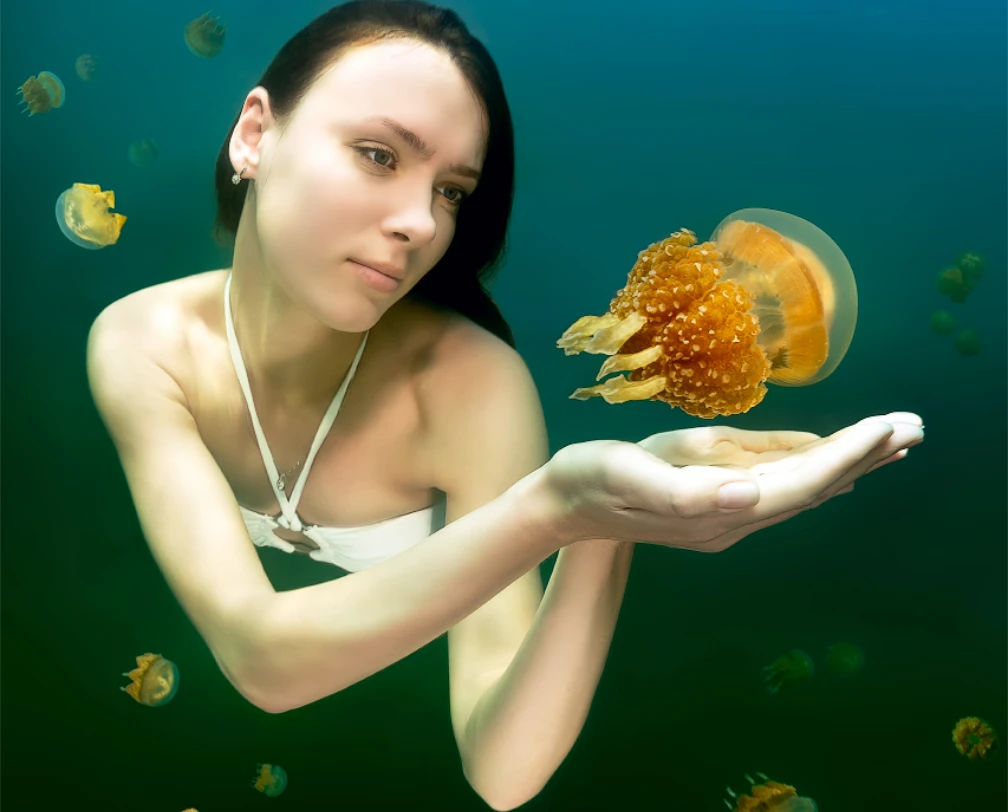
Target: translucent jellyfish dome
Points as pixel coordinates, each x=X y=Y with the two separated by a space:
x=803 y=286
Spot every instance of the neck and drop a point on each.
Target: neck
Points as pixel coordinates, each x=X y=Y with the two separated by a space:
x=290 y=356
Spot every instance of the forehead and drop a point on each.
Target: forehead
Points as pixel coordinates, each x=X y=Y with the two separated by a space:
x=410 y=82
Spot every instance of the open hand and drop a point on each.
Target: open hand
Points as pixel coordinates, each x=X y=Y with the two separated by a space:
x=669 y=488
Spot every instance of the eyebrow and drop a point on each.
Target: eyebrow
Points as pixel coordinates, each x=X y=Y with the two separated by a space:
x=420 y=148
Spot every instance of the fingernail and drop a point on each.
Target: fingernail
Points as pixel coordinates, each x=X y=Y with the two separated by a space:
x=736 y=495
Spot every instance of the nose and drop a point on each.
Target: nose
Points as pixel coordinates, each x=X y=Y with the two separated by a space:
x=412 y=219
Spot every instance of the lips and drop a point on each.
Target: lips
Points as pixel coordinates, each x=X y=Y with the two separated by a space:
x=393 y=271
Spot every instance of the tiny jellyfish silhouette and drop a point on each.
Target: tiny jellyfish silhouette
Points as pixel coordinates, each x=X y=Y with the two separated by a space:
x=768 y=796
x=153 y=682
x=204 y=36
x=974 y=738
x=788 y=669
x=971 y=264
x=143 y=153
x=844 y=658
x=86 y=67
x=271 y=780
x=82 y=213
x=704 y=327
x=42 y=93
x=968 y=343
x=942 y=322
x=954 y=284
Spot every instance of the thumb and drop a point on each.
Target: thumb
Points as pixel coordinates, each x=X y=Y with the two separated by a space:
x=692 y=490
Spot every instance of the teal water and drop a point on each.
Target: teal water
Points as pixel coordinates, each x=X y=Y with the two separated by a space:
x=884 y=123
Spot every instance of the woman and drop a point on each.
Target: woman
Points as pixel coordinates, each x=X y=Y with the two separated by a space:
x=368 y=181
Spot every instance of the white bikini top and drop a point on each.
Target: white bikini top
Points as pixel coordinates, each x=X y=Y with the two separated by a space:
x=352 y=548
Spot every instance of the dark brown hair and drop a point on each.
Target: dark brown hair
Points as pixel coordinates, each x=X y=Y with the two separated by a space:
x=478 y=248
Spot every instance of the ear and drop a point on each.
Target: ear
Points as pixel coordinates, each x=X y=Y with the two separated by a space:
x=246 y=139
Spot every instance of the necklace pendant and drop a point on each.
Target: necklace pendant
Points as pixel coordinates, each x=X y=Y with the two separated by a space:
x=282 y=482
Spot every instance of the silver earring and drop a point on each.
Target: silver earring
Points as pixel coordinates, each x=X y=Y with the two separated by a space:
x=236 y=178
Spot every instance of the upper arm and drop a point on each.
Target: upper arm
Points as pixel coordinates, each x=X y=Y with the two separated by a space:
x=186 y=509
x=491 y=433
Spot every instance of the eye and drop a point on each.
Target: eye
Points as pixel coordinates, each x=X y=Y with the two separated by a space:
x=377 y=151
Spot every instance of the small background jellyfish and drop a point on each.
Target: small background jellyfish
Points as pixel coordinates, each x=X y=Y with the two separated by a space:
x=768 y=797
x=844 y=658
x=86 y=67
x=204 y=36
x=770 y=298
x=942 y=322
x=42 y=93
x=82 y=213
x=789 y=669
x=271 y=780
x=974 y=738
x=143 y=153
x=153 y=682
x=958 y=281
x=967 y=343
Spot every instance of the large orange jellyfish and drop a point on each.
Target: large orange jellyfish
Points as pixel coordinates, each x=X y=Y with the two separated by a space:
x=770 y=298
x=42 y=93
x=974 y=738
x=204 y=36
x=154 y=681
x=271 y=780
x=82 y=213
x=768 y=797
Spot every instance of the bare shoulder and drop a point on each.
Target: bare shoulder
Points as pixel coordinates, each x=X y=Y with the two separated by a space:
x=477 y=393
x=153 y=325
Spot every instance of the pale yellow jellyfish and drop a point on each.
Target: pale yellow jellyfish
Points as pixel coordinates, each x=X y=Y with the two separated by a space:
x=82 y=213
x=769 y=796
x=154 y=681
x=270 y=780
x=703 y=327
x=86 y=67
x=204 y=36
x=974 y=738
x=42 y=93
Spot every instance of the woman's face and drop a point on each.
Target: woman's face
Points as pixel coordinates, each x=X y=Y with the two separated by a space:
x=339 y=182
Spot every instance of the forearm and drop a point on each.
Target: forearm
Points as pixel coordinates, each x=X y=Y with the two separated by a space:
x=315 y=641
x=525 y=724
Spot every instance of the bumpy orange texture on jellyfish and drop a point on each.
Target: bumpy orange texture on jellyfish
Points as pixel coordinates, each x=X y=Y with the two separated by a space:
x=704 y=327
x=769 y=796
x=974 y=738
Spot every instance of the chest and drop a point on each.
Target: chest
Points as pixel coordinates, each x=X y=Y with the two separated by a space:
x=371 y=465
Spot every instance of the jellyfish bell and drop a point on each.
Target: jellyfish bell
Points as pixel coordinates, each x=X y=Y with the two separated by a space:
x=82 y=214
x=971 y=264
x=954 y=284
x=805 y=296
x=270 y=780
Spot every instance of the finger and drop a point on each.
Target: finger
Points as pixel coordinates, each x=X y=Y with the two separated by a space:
x=798 y=481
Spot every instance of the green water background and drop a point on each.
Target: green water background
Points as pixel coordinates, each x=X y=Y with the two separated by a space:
x=883 y=123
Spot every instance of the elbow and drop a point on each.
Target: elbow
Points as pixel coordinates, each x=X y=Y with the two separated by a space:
x=255 y=670
x=502 y=793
